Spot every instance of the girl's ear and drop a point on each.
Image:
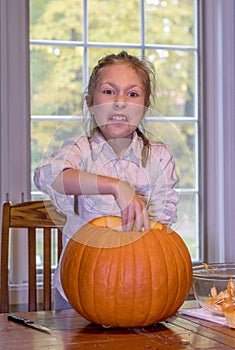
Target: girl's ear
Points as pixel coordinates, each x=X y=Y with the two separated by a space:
x=88 y=101
x=89 y=104
x=147 y=104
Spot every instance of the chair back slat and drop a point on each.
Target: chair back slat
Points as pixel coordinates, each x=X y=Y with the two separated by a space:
x=30 y=216
x=4 y=296
x=32 y=293
x=59 y=244
x=47 y=269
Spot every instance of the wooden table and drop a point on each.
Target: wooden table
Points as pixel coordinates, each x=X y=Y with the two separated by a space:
x=71 y=331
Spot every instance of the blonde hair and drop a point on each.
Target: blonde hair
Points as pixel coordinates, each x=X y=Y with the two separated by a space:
x=146 y=73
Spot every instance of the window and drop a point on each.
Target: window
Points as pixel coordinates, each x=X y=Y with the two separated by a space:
x=216 y=106
x=66 y=42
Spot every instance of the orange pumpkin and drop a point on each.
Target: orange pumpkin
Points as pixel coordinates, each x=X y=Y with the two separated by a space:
x=125 y=279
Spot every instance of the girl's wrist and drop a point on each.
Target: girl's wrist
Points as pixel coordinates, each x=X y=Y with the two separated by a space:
x=114 y=188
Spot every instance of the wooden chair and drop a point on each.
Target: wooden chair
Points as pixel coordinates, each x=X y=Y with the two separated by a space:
x=31 y=216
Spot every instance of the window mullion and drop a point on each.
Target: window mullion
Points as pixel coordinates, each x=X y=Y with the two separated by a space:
x=85 y=41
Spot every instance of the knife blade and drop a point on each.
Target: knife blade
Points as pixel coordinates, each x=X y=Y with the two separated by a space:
x=28 y=323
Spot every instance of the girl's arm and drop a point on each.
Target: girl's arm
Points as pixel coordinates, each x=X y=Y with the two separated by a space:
x=77 y=182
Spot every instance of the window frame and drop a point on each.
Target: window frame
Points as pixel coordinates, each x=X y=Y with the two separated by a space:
x=217 y=128
x=217 y=68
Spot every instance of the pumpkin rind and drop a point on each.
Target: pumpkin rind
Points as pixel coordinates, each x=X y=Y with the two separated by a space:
x=136 y=279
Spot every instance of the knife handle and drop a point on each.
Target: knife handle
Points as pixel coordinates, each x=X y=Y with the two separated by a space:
x=18 y=319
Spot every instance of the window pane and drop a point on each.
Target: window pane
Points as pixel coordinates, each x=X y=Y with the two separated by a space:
x=180 y=137
x=94 y=54
x=113 y=21
x=175 y=81
x=56 y=20
x=169 y=22
x=56 y=80
x=187 y=223
x=48 y=135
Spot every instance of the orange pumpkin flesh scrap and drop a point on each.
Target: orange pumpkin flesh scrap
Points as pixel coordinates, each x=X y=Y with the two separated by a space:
x=125 y=279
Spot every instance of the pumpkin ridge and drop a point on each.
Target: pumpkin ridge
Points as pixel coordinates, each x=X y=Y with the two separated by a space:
x=163 y=248
x=121 y=279
x=83 y=260
x=175 y=301
x=147 y=292
x=150 y=243
x=172 y=304
x=79 y=291
x=134 y=257
x=85 y=295
x=164 y=245
x=185 y=256
x=115 y=288
x=135 y=290
x=96 y=302
x=92 y=251
x=111 y=287
x=179 y=299
x=72 y=266
x=148 y=312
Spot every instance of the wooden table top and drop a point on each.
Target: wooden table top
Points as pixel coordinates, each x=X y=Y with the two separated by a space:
x=71 y=331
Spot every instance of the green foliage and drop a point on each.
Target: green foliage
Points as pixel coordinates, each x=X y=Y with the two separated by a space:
x=170 y=21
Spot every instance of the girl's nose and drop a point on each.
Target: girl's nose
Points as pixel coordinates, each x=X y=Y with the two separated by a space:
x=120 y=101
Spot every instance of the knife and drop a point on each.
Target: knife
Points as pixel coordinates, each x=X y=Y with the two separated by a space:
x=28 y=323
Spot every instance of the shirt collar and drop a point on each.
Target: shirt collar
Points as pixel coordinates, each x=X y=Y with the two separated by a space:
x=100 y=145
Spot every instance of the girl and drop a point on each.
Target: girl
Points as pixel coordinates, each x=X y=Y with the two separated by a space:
x=114 y=169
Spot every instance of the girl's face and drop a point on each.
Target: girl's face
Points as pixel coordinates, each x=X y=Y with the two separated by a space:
x=118 y=101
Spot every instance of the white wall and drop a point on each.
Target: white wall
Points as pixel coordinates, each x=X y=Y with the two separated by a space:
x=218 y=94
x=15 y=117
x=15 y=111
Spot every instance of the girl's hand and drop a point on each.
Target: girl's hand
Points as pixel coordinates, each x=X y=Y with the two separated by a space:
x=133 y=208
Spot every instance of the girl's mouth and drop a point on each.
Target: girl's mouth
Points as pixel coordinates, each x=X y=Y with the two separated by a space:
x=118 y=118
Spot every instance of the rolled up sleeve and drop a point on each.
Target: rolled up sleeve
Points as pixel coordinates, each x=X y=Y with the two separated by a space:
x=46 y=173
x=164 y=198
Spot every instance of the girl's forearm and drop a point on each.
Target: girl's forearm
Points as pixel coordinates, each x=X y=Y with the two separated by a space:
x=77 y=182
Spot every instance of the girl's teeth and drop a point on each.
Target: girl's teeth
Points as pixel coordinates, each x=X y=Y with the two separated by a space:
x=119 y=118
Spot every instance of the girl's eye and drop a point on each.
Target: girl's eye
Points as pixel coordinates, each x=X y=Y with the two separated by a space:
x=133 y=94
x=108 y=92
